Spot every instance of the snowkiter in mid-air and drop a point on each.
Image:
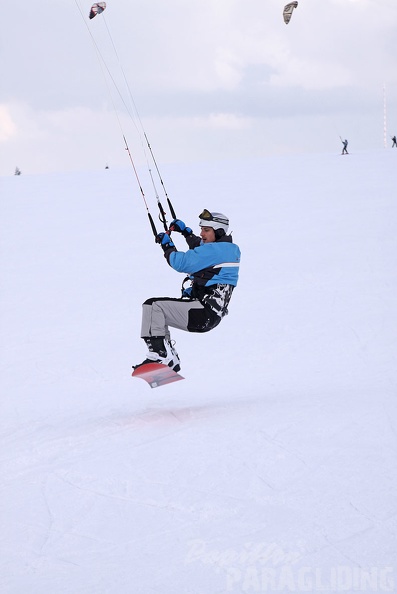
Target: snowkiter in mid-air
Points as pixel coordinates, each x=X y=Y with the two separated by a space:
x=344 y=150
x=211 y=263
x=394 y=139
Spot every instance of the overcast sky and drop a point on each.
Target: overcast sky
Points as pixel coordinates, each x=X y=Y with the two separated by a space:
x=211 y=79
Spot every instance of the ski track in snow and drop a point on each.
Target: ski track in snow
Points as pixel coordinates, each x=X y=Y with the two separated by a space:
x=273 y=462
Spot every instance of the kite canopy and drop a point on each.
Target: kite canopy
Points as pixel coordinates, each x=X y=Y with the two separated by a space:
x=288 y=10
x=97 y=8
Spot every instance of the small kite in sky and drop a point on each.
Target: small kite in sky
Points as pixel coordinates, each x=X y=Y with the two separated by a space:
x=288 y=10
x=97 y=8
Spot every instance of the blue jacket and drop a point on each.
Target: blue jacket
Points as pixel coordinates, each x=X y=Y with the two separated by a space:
x=212 y=268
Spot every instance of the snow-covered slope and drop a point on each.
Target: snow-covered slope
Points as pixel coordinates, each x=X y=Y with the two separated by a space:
x=272 y=467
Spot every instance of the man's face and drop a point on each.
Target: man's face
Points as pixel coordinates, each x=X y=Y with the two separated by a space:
x=207 y=234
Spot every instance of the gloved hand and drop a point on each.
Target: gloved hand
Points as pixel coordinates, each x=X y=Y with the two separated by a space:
x=180 y=227
x=165 y=241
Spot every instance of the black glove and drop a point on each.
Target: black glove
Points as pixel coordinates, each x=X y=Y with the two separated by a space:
x=180 y=227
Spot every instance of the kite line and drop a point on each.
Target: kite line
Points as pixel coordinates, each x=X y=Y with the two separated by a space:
x=97 y=9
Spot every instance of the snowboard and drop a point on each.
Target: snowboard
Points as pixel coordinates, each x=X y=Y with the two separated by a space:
x=156 y=374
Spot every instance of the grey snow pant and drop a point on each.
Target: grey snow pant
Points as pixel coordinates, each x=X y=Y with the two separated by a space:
x=158 y=313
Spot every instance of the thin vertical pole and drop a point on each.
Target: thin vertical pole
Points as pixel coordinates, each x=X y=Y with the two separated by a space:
x=384 y=117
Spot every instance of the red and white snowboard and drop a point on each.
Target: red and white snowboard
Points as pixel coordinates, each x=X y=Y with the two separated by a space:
x=156 y=374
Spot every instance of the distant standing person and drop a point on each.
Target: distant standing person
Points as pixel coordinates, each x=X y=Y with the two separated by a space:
x=394 y=139
x=344 y=150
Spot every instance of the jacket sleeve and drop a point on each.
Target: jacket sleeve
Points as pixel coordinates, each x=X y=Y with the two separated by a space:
x=198 y=258
x=193 y=241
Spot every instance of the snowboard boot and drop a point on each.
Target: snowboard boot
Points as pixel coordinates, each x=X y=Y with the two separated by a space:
x=161 y=351
x=170 y=344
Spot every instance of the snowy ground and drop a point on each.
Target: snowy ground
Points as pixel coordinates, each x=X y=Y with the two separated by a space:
x=272 y=467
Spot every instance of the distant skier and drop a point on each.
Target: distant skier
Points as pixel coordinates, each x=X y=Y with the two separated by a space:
x=344 y=150
x=212 y=263
x=394 y=139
